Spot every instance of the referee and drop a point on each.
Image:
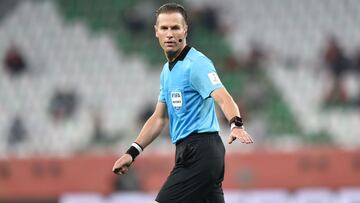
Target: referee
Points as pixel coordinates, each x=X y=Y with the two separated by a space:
x=189 y=85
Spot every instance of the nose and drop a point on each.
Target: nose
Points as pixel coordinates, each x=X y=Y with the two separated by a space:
x=169 y=34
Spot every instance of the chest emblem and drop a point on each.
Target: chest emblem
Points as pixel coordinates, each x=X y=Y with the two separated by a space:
x=176 y=100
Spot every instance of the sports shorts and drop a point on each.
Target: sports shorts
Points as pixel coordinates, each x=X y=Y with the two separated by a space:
x=198 y=172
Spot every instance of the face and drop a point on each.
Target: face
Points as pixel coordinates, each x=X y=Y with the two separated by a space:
x=169 y=29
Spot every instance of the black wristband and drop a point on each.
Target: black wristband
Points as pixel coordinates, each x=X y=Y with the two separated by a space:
x=238 y=121
x=133 y=152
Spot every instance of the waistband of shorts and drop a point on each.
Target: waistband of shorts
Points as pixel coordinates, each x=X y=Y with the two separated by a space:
x=195 y=136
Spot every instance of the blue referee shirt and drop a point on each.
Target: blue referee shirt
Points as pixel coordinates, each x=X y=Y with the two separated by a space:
x=185 y=87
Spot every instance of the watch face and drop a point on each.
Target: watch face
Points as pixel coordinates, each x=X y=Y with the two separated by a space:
x=238 y=122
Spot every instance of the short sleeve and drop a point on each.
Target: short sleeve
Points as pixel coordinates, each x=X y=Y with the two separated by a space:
x=162 y=93
x=203 y=77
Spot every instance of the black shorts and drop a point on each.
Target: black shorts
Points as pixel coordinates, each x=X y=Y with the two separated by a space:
x=198 y=171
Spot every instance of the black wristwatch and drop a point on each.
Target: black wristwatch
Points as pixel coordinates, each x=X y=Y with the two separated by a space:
x=236 y=122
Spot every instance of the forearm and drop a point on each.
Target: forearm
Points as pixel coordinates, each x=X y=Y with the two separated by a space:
x=149 y=132
x=151 y=129
x=226 y=103
x=229 y=108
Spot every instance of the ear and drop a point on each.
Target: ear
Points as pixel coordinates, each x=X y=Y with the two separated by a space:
x=155 y=29
x=186 y=30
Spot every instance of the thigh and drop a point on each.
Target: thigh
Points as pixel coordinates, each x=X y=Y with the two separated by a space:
x=195 y=186
x=178 y=189
x=215 y=195
x=187 y=181
x=196 y=177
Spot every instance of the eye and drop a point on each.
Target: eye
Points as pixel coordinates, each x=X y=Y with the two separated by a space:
x=163 y=28
x=175 y=28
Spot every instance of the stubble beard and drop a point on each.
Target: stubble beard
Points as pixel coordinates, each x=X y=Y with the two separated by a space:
x=171 y=54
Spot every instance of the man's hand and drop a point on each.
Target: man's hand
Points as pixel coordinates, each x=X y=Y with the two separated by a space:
x=122 y=165
x=241 y=134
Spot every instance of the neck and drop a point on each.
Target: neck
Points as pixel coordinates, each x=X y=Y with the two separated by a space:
x=171 y=56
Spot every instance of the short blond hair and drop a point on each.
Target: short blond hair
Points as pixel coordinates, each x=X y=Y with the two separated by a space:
x=172 y=8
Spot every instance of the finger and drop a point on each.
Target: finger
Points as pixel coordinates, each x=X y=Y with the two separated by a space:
x=116 y=171
x=231 y=139
x=250 y=139
x=120 y=170
x=116 y=165
x=242 y=140
x=124 y=169
x=247 y=140
x=116 y=168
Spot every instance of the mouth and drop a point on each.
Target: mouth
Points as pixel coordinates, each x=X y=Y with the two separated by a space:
x=170 y=43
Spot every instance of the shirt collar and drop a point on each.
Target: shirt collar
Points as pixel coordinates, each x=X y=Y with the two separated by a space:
x=181 y=57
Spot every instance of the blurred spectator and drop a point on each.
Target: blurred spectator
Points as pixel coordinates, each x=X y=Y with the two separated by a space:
x=145 y=113
x=98 y=133
x=337 y=63
x=250 y=61
x=231 y=63
x=17 y=131
x=356 y=67
x=138 y=18
x=205 y=17
x=14 y=61
x=210 y=19
x=256 y=55
x=357 y=61
x=134 y=22
x=63 y=104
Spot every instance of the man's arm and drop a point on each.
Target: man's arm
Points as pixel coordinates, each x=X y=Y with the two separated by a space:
x=230 y=110
x=151 y=129
x=153 y=126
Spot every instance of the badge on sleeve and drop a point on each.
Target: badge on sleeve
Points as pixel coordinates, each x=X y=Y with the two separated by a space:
x=214 y=78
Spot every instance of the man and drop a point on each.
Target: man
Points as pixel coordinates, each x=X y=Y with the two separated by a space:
x=188 y=87
x=14 y=61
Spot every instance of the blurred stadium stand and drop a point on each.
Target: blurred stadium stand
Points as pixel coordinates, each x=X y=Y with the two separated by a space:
x=105 y=56
x=68 y=57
